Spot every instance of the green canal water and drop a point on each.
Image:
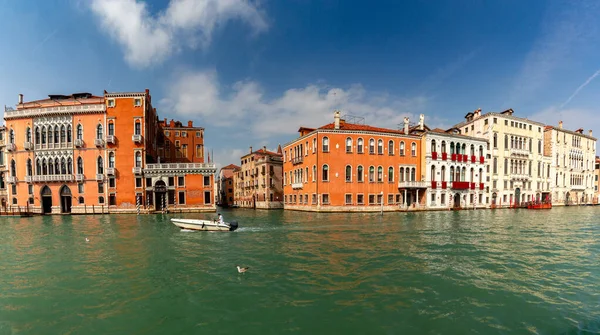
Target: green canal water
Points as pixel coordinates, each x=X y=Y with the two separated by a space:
x=469 y=272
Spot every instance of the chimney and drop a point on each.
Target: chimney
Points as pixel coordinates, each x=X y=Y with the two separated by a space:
x=172 y=123
x=20 y=99
x=477 y=113
x=559 y=124
x=265 y=148
x=250 y=149
x=336 y=120
x=421 y=121
x=190 y=124
x=591 y=133
x=406 y=125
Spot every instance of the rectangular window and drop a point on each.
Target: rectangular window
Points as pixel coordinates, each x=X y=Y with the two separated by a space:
x=371 y=199
x=100 y=187
x=184 y=150
x=495 y=120
x=177 y=134
x=443 y=198
x=30 y=189
x=390 y=199
x=138 y=182
x=182 y=198
x=137 y=128
x=199 y=150
x=80 y=188
x=314 y=199
x=111 y=128
x=506 y=122
x=207 y=196
x=348 y=199
x=14 y=189
x=100 y=200
x=111 y=182
x=184 y=134
x=112 y=200
x=137 y=102
x=148 y=182
x=171 y=181
x=485 y=122
x=206 y=180
x=198 y=134
x=181 y=181
x=325 y=199
x=433 y=198
x=110 y=102
x=360 y=199
x=380 y=199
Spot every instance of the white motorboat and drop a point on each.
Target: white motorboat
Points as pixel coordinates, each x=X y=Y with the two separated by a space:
x=208 y=225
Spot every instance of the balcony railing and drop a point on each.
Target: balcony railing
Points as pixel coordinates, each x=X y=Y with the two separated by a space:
x=110 y=139
x=434 y=155
x=52 y=178
x=11 y=179
x=472 y=186
x=444 y=185
x=460 y=185
x=578 y=187
x=473 y=159
x=11 y=147
x=444 y=156
x=519 y=152
x=136 y=170
x=28 y=179
x=433 y=184
x=459 y=157
x=201 y=168
x=110 y=171
x=518 y=176
x=296 y=186
x=99 y=142
x=79 y=177
x=453 y=157
x=481 y=159
x=413 y=184
x=136 y=138
x=28 y=146
x=78 y=143
x=297 y=160
x=99 y=177
x=481 y=186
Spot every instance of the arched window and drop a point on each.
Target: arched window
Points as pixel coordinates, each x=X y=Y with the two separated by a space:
x=99 y=132
x=480 y=176
x=11 y=137
x=380 y=147
x=505 y=165
x=481 y=151
x=413 y=149
x=401 y=175
x=28 y=135
x=390 y=174
x=29 y=167
x=495 y=166
x=443 y=174
x=444 y=147
x=79 y=132
x=37 y=135
x=69 y=134
x=38 y=167
x=63 y=134
x=348 y=144
x=13 y=168
x=43 y=135
x=495 y=140
x=452 y=152
x=390 y=147
x=45 y=167
x=314 y=145
x=402 y=148
x=457 y=149
x=138 y=128
x=100 y=165
x=433 y=148
x=407 y=174
x=56 y=134
x=111 y=128
x=452 y=173
x=472 y=176
x=359 y=145
x=69 y=166
x=372 y=146
x=325 y=144
x=314 y=176
x=138 y=159
x=458 y=175
x=56 y=166
x=79 y=165
x=379 y=174
x=505 y=142
x=371 y=174
x=348 y=173
x=359 y=174
x=413 y=174
x=472 y=150
x=433 y=173
x=63 y=166
x=111 y=159
x=325 y=172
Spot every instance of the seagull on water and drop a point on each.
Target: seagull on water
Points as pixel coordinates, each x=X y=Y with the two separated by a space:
x=87 y=239
x=242 y=269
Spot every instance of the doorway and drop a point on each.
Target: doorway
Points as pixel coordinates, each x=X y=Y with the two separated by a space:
x=457 y=200
x=65 y=199
x=567 y=199
x=46 y=195
x=517 y=196
x=160 y=193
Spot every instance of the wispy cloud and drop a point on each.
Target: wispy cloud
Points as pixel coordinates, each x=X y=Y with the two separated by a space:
x=149 y=39
x=589 y=80
x=445 y=72
x=49 y=36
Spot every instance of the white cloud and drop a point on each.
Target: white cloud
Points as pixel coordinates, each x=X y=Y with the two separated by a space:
x=245 y=109
x=573 y=118
x=150 y=39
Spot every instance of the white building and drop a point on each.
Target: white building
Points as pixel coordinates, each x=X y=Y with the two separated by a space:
x=455 y=167
x=573 y=156
x=517 y=169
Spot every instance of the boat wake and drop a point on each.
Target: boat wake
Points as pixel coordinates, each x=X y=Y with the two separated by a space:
x=187 y=230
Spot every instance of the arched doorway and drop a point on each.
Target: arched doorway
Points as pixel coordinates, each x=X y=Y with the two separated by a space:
x=46 y=195
x=457 y=200
x=160 y=195
x=517 y=196
x=567 y=199
x=65 y=199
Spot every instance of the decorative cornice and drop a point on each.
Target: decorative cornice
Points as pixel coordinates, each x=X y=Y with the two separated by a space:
x=54 y=111
x=125 y=95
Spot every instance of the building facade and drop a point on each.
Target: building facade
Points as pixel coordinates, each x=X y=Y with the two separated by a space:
x=259 y=181
x=82 y=153
x=573 y=158
x=597 y=181
x=344 y=166
x=517 y=170
x=455 y=169
x=226 y=185
x=3 y=192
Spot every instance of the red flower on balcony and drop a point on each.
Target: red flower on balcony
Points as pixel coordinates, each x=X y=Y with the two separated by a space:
x=453 y=157
x=444 y=156
x=459 y=158
x=481 y=159
x=444 y=185
x=472 y=186
x=433 y=184
x=460 y=185
x=481 y=186
x=466 y=158
x=434 y=155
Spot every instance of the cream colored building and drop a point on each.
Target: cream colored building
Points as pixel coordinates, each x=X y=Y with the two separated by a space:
x=259 y=181
x=517 y=170
x=3 y=193
x=573 y=156
x=597 y=181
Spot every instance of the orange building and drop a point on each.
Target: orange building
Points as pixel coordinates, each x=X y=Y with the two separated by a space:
x=344 y=166
x=258 y=183
x=82 y=153
x=226 y=185
x=3 y=193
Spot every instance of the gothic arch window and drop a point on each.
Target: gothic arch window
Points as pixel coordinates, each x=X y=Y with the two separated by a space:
x=44 y=137
x=63 y=166
x=359 y=174
x=13 y=168
x=390 y=174
x=325 y=172
x=111 y=159
x=359 y=145
x=69 y=166
x=380 y=147
x=390 y=147
x=56 y=134
x=11 y=137
x=69 y=134
x=79 y=165
x=79 y=132
x=348 y=173
x=28 y=135
x=29 y=167
x=45 y=166
x=38 y=167
x=37 y=135
x=379 y=174
x=99 y=132
x=100 y=165
x=348 y=144
x=63 y=134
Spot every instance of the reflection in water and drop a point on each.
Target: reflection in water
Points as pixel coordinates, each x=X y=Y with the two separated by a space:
x=481 y=272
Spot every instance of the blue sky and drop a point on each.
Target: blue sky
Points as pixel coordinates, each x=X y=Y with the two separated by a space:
x=252 y=72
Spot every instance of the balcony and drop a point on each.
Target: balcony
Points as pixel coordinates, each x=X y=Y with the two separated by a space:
x=481 y=186
x=136 y=138
x=518 y=176
x=413 y=184
x=297 y=160
x=137 y=170
x=296 y=186
x=433 y=184
x=99 y=142
x=197 y=168
x=459 y=158
x=110 y=139
x=28 y=179
x=434 y=155
x=465 y=158
x=460 y=185
x=28 y=146
x=473 y=159
x=519 y=152
x=99 y=177
x=578 y=187
x=79 y=177
x=453 y=157
x=444 y=185
x=78 y=143
x=11 y=147
x=11 y=179
x=52 y=178
x=481 y=159
x=110 y=171
x=472 y=186
x=444 y=156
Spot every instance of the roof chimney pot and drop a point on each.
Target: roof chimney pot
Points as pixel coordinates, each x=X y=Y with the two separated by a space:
x=20 y=99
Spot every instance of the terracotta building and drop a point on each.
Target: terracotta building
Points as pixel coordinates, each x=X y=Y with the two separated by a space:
x=3 y=193
x=259 y=181
x=350 y=166
x=226 y=185
x=596 y=180
x=82 y=153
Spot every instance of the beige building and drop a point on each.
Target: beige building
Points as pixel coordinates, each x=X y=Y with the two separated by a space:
x=3 y=193
x=596 y=181
x=516 y=169
x=226 y=186
x=573 y=156
x=259 y=181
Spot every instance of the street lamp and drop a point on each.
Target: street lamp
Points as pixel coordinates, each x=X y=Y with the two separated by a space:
x=381 y=203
